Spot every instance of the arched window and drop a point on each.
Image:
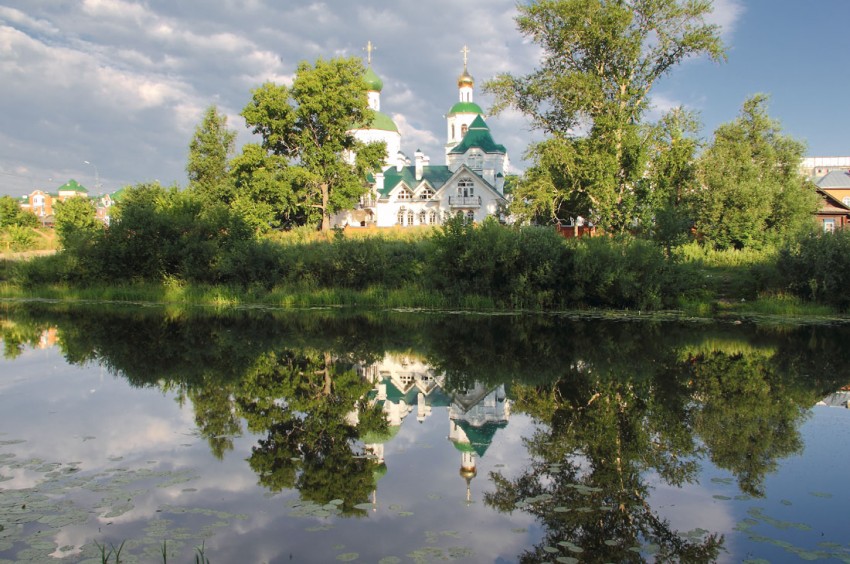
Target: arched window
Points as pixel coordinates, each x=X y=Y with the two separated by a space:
x=470 y=217
x=410 y=217
x=463 y=129
x=401 y=216
x=422 y=217
x=432 y=217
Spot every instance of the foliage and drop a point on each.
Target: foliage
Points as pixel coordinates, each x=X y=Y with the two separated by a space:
x=752 y=192
x=600 y=61
x=817 y=267
x=671 y=179
x=209 y=150
x=76 y=223
x=11 y=214
x=308 y=125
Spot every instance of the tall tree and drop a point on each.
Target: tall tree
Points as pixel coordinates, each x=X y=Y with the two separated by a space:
x=309 y=124
x=752 y=191
x=600 y=62
x=209 y=151
x=671 y=178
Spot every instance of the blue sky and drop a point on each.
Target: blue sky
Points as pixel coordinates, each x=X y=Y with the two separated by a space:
x=123 y=83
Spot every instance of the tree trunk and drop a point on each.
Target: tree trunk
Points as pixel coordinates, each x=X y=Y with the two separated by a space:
x=326 y=220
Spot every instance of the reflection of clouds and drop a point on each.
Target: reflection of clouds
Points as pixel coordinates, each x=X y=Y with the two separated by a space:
x=692 y=507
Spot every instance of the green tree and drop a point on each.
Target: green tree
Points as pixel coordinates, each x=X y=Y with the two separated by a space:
x=12 y=214
x=209 y=150
x=752 y=191
x=671 y=178
x=600 y=62
x=267 y=190
x=76 y=223
x=309 y=124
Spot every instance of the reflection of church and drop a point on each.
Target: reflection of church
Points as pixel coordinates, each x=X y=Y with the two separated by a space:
x=403 y=384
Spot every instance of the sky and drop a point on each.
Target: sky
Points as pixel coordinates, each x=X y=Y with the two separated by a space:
x=109 y=92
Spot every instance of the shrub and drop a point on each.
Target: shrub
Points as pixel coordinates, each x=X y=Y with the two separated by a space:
x=817 y=267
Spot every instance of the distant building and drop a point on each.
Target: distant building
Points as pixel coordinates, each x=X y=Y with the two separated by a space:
x=817 y=167
x=411 y=193
x=42 y=203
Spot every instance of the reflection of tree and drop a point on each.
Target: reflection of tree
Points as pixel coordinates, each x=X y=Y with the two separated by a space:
x=215 y=416
x=301 y=402
x=748 y=416
x=585 y=483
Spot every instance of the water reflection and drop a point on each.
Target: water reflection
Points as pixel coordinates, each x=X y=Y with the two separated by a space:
x=616 y=405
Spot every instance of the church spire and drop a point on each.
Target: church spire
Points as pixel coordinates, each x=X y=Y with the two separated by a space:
x=465 y=81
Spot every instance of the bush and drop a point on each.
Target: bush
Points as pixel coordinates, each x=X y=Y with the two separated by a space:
x=817 y=267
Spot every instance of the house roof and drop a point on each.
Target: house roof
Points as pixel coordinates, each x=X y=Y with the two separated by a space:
x=834 y=179
x=435 y=175
x=478 y=136
x=72 y=186
x=831 y=204
x=479 y=437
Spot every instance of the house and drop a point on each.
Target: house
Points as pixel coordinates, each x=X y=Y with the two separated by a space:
x=409 y=193
x=42 y=203
x=836 y=183
x=833 y=213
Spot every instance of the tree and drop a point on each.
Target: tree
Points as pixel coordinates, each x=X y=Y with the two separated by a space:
x=752 y=191
x=671 y=178
x=209 y=150
x=76 y=223
x=12 y=214
x=309 y=124
x=600 y=62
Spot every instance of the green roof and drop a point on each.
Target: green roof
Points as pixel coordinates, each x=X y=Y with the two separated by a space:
x=373 y=80
x=72 y=185
x=478 y=136
x=436 y=175
x=466 y=108
x=383 y=122
x=479 y=437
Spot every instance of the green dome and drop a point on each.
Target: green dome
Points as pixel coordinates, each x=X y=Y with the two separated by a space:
x=372 y=79
x=466 y=108
x=383 y=122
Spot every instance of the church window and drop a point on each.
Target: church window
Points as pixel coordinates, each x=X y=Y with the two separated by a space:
x=432 y=217
x=476 y=161
x=404 y=195
x=422 y=217
x=463 y=129
x=401 y=216
x=410 y=217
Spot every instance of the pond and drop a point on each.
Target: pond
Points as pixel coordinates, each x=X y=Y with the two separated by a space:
x=147 y=434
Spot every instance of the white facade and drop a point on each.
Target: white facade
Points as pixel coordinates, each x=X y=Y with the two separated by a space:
x=406 y=194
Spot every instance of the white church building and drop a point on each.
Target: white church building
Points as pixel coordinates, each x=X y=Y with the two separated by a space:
x=410 y=193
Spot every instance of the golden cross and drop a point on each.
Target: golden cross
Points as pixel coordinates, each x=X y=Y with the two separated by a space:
x=465 y=52
x=369 y=49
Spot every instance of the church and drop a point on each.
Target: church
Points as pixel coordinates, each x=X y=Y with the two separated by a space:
x=410 y=193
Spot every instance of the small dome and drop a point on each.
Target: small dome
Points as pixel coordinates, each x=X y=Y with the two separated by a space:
x=465 y=79
x=465 y=108
x=373 y=80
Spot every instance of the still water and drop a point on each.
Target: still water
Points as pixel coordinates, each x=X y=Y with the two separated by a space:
x=151 y=435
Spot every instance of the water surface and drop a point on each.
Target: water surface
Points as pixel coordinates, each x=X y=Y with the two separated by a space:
x=319 y=436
